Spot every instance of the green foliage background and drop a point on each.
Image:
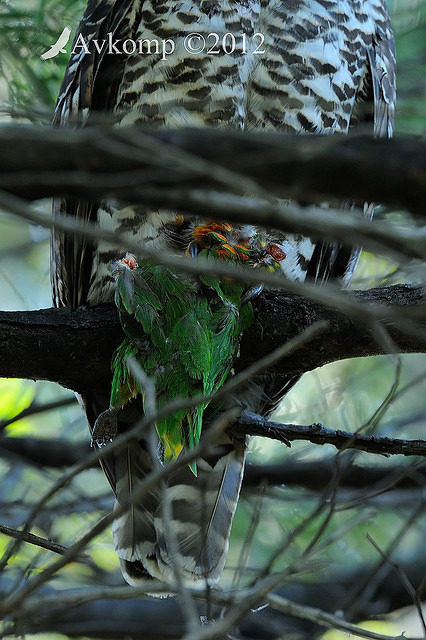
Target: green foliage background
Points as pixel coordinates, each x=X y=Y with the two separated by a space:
x=385 y=394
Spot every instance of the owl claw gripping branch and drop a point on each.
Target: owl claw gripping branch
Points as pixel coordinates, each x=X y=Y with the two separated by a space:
x=191 y=340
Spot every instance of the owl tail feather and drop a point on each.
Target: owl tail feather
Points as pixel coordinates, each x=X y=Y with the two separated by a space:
x=201 y=511
x=193 y=539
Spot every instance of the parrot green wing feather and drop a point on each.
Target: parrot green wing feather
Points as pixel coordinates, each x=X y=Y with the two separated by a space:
x=192 y=337
x=146 y=315
x=125 y=292
x=185 y=337
x=123 y=386
x=132 y=289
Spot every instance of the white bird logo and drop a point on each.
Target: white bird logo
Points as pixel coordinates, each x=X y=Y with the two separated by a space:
x=59 y=45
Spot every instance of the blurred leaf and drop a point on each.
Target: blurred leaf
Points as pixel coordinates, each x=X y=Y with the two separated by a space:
x=15 y=395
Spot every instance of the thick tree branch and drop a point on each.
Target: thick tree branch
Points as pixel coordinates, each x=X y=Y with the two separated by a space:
x=101 y=161
x=74 y=348
x=316 y=475
x=55 y=453
x=223 y=175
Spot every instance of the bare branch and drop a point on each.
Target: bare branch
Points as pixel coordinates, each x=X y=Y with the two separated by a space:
x=35 y=409
x=101 y=161
x=318 y=474
x=318 y=434
x=31 y=538
x=53 y=452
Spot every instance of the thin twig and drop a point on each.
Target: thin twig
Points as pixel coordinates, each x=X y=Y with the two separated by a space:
x=31 y=538
x=35 y=409
x=326 y=619
x=257 y=425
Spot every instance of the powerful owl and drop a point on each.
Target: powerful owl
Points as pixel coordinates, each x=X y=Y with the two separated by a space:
x=292 y=66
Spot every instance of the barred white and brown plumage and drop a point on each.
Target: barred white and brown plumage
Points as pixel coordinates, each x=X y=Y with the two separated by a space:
x=326 y=65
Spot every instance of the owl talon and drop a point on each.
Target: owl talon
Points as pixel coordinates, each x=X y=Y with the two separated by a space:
x=251 y=293
x=105 y=428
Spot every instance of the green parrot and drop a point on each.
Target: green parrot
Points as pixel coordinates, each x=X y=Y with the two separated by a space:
x=183 y=332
